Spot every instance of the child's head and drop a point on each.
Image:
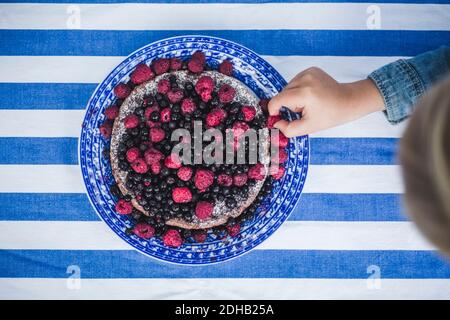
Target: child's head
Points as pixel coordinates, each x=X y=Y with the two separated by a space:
x=425 y=158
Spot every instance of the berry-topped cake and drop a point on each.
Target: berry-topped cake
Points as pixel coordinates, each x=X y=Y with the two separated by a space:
x=182 y=153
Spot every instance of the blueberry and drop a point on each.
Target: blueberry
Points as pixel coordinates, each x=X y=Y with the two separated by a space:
x=154 y=116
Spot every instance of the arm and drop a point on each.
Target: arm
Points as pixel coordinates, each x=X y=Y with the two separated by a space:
x=325 y=103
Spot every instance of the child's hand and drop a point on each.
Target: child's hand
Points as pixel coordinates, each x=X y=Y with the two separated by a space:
x=324 y=102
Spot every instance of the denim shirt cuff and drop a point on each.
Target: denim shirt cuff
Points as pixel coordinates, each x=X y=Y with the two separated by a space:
x=400 y=86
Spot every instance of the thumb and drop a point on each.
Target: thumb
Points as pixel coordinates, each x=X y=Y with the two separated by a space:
x=294 y=128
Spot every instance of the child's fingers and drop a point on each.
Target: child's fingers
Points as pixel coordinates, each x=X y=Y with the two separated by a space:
x=286 y=98
x=293 y=128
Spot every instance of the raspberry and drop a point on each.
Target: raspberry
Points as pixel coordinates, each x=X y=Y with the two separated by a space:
x=264 y=104
x=277 y=172
x=161 y=66
x=184 y=173
x=152 y=156
x=239 y=128
x=282 y=140
x=249 y=113
x=199 y=56
x=195 y=66
x=204 y=88
x=175 y=64
x=203 y=179
x=163 y=86
x=132 y=154
x=280 y=157
x=148 y=111
x=272 y=120
x=226 y=67
x=155 y=167
x=157 y=134
x=188 y=106
x=131 y=121
x=233 y=229
x=226 y=93
x=165 y=114
x=106 y=129
x=224 y=180
x=141 y=74
x=200 y=236
x=215 y=117
x=140 y=166
x=175 y=95
x=257 y=172
x=124 y=207
x=172 y=161
x=172 y=238
x=181 y=195
x=144 y=230
x=240 y=179
x=204 y=210
x=122 y=91
x=112 y=112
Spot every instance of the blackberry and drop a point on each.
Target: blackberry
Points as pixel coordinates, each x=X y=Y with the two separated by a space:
x=159 y=97
x=114 y=189
x=163 y=103
x=124 y=166
x=230 y=202
x=172 y=125
x=170 y=180
x=154 y=116
x=189 y=86
x=176 y=207
x=172 y=78
x=140 y=111
x=143 y=147
x=176 y=108
x=175 y=116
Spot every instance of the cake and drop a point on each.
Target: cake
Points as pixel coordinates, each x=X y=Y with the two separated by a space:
x=171 y=195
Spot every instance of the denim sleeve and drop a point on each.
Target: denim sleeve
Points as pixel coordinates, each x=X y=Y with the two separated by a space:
x=402 y=83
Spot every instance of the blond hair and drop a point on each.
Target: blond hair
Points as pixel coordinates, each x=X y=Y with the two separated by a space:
x=425 y=159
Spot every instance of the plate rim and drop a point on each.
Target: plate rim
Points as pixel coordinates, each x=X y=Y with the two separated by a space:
x=305 y=165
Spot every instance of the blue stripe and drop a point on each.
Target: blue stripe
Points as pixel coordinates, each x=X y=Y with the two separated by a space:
x=46 y=207
x=267 y=42
x=324 y=151
x=256 y=264
x=312 y=207
x=38 y=151
x=227 y=1
x=68 y=96
x=348 y=207
x=356 y=151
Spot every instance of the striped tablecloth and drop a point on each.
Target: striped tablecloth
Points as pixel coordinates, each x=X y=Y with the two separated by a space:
x=347 y=238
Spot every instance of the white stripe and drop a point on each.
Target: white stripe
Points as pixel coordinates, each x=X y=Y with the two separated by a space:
x=374 y=125
x=42 y=288
x=292 y=235
x=41 y=123
x=91 y=69
x=354 y=179
x=321 y=179
x=332 y=16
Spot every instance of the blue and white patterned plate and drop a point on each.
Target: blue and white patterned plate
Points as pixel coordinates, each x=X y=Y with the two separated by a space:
x=258 y=75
